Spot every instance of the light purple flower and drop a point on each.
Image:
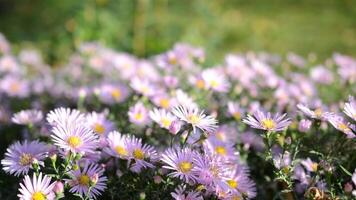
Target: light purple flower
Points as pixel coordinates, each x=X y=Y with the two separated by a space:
x=162 y=117
x=181 y=162
x=196 y=118
x=350 y=108
x=138 y=114
x=112 y=93
x=27 y=117
x=342 y=125
x=322 y=75
x=215 y=80
x=318 y=113
x=117 y=145
x=180 y=193
x=310 y=165
x=91 y=176
x=99 y=123
x=235 y=111
x=65 y=117
x=19 y=157
x=14 y=86
x=37 y=189
x=266 y=121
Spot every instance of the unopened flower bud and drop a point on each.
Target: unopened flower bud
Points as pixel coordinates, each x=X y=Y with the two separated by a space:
x=304 y=125
x=157 y=179
x=58 y=187
x=175 y=127
x=94 y=179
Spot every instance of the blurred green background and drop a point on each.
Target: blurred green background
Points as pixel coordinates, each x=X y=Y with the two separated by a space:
x=147 y=27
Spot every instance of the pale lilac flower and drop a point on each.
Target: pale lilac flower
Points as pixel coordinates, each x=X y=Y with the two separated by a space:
x=251 y=139
x=310 y=165
x=282 y=161
x=213 y=146
x=267 y=122
x=181 y=162
x=143 y=86
x=65 y=117
x=215 y=80
x=226 y=133
x=175 y=127
x=99 y=123
x=8 y=64
x=162 y=117
x=163 y=101
x=143 y=155
x=235 y=110
x=112 y=93
x=19 y=157
x=170 y=81
x=181 y=194
x=321 y=75
x=196 y=118
x=350 y=108
x=296 y=60
x=76 y=139
x=117 y=145
x=14 y=86
x=27 y=117
x=37 y=189
x=184 y=99
x=304 y=125
x=138 y=114
x=346 y=67
x=4 y=44
x=91 y=176
x=342 y=125
x=318 y=113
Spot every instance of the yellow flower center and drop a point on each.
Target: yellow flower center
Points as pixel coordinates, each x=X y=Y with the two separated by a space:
x=185 y=167
x=14 y=87
x=38 y=196
x=84 y=180
x=74 y=141
x=200 y=84
x=25 y=159
x=138 y=154
x=193 y=119
x=164 y=103
x=314 y=167
x=237 y=115
x=220 y=136
x=268 y=124
x=121 y=151
x=214 y=83
x=165 y=122
x=98 y=128
x=232 y=183
x=116 y=94
x=318 y=112
x=236 y=198
x=220 y=150
x=173 y=60
x=343 y=127
x=138 y=116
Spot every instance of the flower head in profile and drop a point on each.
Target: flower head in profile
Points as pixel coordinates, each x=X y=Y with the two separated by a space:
x=196 y=118
x=162 y=117
x=27 y=117
x=141 y=155
x=310 y=165
x=350 y=108
x=19 y=157
x=180 y=193
x=181 y=162
x=317 y=113
x=342 y=125
x=39 y=188
x=266 y=121
x=235 y=111
x=76 y=139
x=99 y=123
x=90 y=176
x=138 y=114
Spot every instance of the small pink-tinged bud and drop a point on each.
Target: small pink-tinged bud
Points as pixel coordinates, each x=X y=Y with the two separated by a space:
x=175 y=127
x=157 y=179
x=304 y=125
x=58 y=187
x=171 y=81
x=348 y=188
x=288 y=140
x=94 y=179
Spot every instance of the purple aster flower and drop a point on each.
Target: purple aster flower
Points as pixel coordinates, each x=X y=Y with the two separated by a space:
x=322 y=75
x=162 y=117
x=143 y=86
x=142 y=155
x=282 y=161
x=65 y=117
x=184 y=99
x=181 y=161
x=251 y=139
x=235 y=111
x=196 y=118
x=27 y=117
x=138 y=114
x=342 y=125
x=267 y=122
x=76 y=139
x=318 y=113
x=180 y=193
x=19 y=157
x=304 y=125
x=215 y=80
x=350 y=108
x=310 y=165
x=91 y=176
x=99 y=123
x=37 y=189
x=219 y=148
x=117 y=145
x=112 y=93
x=14 y=86
x=163 y=101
